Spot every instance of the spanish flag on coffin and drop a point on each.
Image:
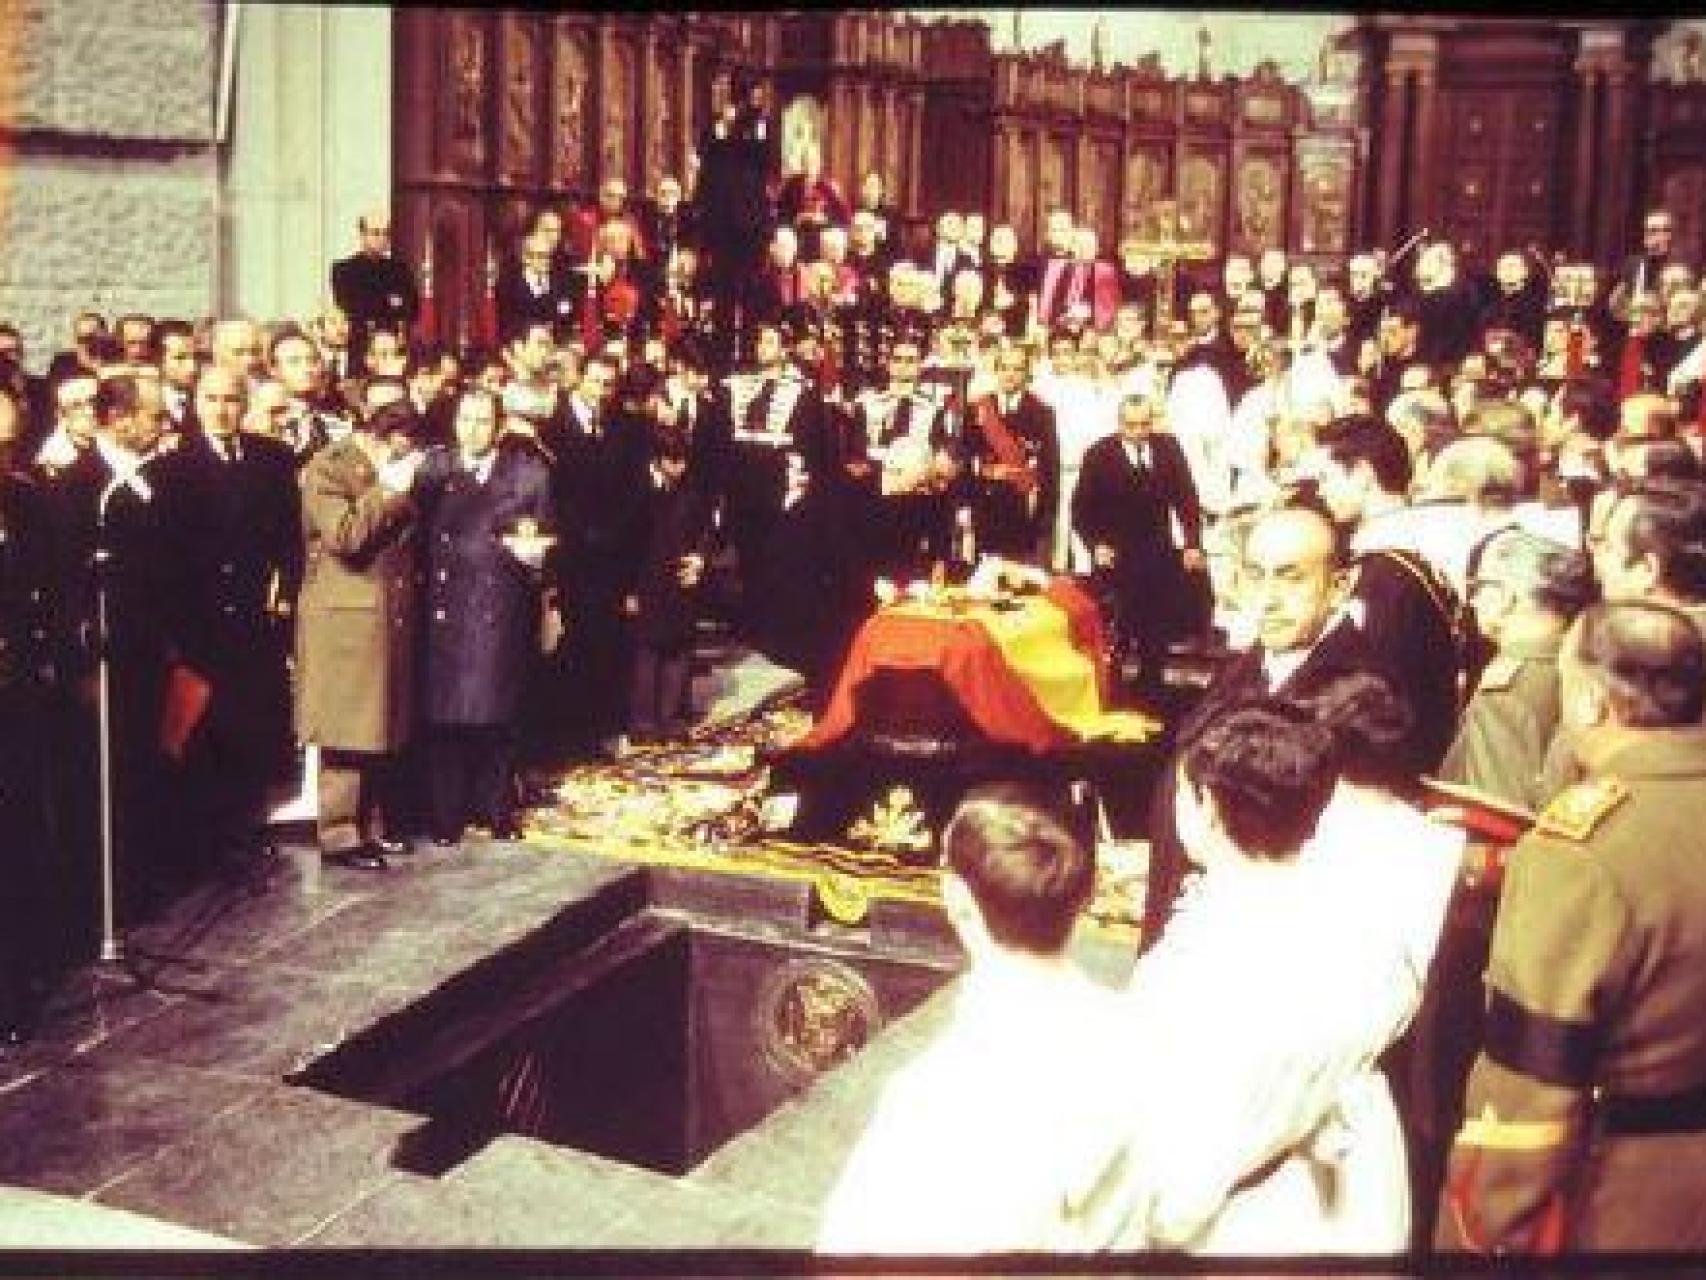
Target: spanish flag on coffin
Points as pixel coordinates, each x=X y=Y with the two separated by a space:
x=1030 y=670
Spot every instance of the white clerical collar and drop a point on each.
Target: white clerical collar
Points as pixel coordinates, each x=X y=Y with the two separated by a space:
x=480 y=468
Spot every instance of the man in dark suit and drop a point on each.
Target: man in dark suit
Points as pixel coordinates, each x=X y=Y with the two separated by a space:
x=234 y=531
x=374 y=288
x=483 y=585
x=1406 y=611
x=1132 y=487
x=1013 y=451
x=110 y=521
x=532 y=287
x=739 y=158
x=598 y=481
x=32 y=929
x=1294 y=583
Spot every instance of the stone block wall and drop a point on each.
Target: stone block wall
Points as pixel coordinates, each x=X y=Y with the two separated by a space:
x=107 y=191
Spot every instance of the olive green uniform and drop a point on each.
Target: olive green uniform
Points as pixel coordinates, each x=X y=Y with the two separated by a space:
x=1585 y=1122
x=1502 y=741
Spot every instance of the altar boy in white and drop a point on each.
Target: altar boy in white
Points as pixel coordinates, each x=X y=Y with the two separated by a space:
x=982 y=1143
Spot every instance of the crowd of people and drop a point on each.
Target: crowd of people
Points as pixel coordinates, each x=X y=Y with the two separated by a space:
x=753 y=402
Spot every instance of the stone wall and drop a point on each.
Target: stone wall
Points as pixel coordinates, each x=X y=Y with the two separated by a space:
x=107 y=193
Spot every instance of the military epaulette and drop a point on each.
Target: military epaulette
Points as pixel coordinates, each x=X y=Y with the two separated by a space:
x=1577 y=811
x=1501 y=673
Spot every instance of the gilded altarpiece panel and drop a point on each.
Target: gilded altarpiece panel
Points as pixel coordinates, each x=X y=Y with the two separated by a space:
x=663 y=115
x=463 y=136
x=1054 y=191
x=518 y=99
x=1321 y=205
x=1259 y=201
x=570 y=113
x=615 y=158
x=1147 y=182
x=1202 y=196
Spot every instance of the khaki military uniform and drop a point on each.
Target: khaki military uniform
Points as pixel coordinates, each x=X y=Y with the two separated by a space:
x=1501 y=744
x=1585 y=1122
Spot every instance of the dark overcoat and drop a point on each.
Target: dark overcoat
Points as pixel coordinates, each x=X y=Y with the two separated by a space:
x=482 y=604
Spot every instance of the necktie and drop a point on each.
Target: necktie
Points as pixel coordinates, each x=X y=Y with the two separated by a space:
x=900 y=424
x=758 y=412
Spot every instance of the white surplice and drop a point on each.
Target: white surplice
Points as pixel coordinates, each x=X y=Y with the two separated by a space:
x=1262 y=1124
x=981 y=1142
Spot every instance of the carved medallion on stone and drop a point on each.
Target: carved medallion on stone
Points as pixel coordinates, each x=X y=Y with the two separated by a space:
x=811 y=1014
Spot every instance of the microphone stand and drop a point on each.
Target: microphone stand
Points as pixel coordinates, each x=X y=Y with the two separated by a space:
x=112 y=954
x=112 y=948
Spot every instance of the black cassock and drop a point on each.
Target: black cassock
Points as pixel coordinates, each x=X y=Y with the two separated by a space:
x=374 y=291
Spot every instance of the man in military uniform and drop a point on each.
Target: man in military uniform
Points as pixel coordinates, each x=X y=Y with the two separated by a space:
x=899 y=461
x=1585 y=1119
x=356 y=630
x=764 y=414
x=1013 y=450
x=1525 y=591
x=374 y=288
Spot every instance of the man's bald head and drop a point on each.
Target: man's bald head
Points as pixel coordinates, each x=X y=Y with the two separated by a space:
x=237 y=347
x=220 y=399
x=1291 y=576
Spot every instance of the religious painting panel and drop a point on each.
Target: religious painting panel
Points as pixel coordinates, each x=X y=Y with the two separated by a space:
x=518 y=99
x=1202 y=195
x=615 y=159
x=1146 y=185
x=1055 y=187
x=842 y=160
x=906 y=131
x=1259 y=200
x=662 y=114
x=1102 y=192
x=803 y=121
x=570 y=113
x=1022 y=184
x=455 y=272
x=867 y=148
x=463 y=141
x=1323 y=186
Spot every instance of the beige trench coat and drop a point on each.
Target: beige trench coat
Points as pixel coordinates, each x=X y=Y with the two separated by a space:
x=355 y=628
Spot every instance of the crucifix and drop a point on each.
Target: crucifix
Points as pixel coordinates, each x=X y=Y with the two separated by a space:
x=1168 y=250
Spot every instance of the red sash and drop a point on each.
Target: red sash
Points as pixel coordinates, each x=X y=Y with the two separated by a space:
x=1009 y=452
